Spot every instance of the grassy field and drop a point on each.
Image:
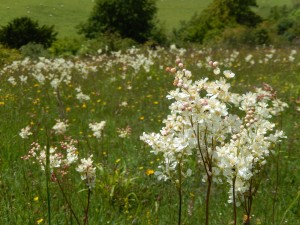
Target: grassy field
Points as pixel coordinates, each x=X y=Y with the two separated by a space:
x=127 y=90
x=66 y=14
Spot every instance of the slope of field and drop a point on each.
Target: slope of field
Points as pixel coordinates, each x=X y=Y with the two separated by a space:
x=67 y=14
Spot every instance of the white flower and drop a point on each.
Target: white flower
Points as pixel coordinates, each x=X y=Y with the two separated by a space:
x=12 y=80
x=82 y=97
x=23 y=78
x=97 y=128
x=123 y=104
x=217 y=71
x=25 y=132
x=230 y=129
x=55 y=83
x=87 y=171
x=228 y=74
x=60 y=127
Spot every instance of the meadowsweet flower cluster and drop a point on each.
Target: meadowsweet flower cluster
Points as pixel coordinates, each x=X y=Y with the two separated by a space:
x=61 y=158
x=80 y=96
x=60 y=127
x=124 y=132
x=25 y=132
x=230 y=134
x=87 y=171
x=97 y=128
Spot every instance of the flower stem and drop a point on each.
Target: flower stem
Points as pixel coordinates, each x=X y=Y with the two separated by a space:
x=207 y=201
x=47 y=173
x=86 y=216
x=234 y=200
x=67 y=201
x=179 y=187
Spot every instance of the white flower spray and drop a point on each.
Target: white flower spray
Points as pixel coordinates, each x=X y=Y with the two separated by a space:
x=230 y=134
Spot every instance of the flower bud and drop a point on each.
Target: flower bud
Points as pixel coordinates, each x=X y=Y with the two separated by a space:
x=215 y=64
x=173 y=70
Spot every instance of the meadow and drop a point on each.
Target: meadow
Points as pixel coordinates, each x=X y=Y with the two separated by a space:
x=58 y=112
x=76 y=133
x=66 y=15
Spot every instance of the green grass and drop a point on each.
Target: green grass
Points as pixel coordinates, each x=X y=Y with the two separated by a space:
x=67 y=14
x=124 y=193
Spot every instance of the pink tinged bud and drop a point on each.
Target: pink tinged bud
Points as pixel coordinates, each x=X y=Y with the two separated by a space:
x=177 y=61
x=185 y=104
x=210 y=63
x=173 y=70
x=180 y=65
x=215 y=64
x=164 y=132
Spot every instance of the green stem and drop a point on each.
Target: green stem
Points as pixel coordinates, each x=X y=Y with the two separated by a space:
x=47 y=173
x=234 y=200
x=179 y=187
x=207 y=201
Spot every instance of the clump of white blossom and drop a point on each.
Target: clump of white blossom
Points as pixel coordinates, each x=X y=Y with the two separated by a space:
x=230 y=134
x=80 y=96
x=97 y=128
x=124 y=132
x=87 y=171
x=61 y=158
x=60 y=127
x=25 y=132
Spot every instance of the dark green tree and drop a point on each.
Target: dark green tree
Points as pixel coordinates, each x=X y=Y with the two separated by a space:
x=216 y=17
x=133 y=19
x=240 y=11
x=24 y=30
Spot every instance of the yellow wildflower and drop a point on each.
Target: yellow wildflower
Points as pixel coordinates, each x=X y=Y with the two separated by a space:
x=149 y=172
x=40 y=221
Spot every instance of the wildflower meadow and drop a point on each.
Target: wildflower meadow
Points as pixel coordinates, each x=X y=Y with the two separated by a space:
x=150 y=136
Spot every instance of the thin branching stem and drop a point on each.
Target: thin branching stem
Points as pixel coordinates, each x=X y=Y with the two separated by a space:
x=67 y=201
x=86 y=216
x=47 y=172
x=234 y=200
x=179 y=187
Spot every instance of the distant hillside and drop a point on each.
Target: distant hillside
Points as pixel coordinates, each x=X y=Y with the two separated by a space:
x=66 y=14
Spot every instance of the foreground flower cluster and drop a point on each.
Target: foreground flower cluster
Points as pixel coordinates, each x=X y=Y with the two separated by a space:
x=230 y=134
x=60 y=158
